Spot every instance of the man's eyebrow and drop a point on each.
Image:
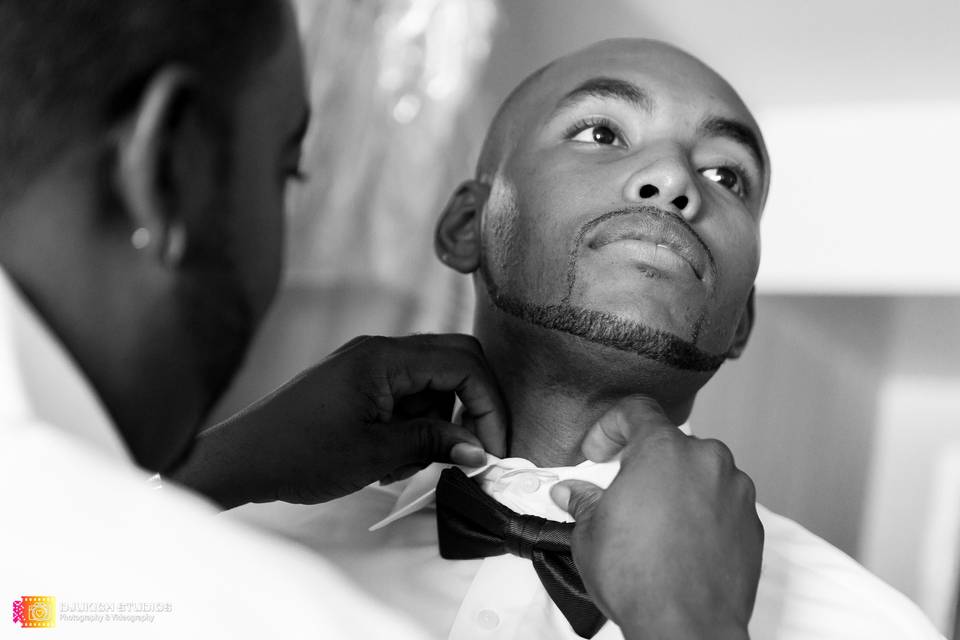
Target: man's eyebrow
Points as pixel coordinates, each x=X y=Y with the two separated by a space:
x=603 y=87
x=736 y=131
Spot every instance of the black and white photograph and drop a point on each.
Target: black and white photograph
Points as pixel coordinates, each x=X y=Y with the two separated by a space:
x=480 y=319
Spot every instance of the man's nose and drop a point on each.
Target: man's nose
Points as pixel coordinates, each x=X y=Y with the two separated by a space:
x=666 y=182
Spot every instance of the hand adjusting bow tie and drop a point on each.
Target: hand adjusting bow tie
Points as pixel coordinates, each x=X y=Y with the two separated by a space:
x=471 y=524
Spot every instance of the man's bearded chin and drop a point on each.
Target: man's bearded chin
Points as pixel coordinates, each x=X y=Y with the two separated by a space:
x=606 y=329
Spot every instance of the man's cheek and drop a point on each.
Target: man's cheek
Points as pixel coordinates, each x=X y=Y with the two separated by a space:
x=737 y=256
x=534 y=277
x=549 y=264
x=720 y=325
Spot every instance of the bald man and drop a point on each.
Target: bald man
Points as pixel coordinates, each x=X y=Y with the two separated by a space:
x=612 y=232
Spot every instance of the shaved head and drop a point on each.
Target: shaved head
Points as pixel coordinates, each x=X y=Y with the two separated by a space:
x=498 y=134
x=70 y=69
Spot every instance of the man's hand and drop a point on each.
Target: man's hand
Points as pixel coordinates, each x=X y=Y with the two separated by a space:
x=376 y=409
x=672 y=549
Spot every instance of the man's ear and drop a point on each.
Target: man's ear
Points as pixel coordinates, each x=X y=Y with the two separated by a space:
x=457 y=241
x=164 y=164
x=744 y=327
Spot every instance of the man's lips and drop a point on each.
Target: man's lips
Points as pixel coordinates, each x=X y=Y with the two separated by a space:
x=657 y=227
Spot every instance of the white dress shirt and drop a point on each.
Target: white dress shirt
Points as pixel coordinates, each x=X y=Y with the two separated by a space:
x=82 y=525
x=386 y=539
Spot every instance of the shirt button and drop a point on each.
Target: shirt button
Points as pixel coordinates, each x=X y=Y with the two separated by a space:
x=488 y=619
x=529 y=484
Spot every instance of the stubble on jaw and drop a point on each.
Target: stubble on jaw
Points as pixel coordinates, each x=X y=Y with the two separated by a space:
x=599 y=327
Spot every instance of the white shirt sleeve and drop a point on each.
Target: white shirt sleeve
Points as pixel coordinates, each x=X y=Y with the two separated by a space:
x=811 y=590
x=83 y=529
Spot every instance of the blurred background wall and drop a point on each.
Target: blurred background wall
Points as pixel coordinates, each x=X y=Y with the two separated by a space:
x=845 y=408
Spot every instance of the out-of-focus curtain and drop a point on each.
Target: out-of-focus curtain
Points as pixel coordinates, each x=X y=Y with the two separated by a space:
x=395 y=128
x=389 y=82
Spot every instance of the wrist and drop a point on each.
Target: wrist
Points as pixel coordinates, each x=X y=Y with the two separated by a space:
x=212 y=468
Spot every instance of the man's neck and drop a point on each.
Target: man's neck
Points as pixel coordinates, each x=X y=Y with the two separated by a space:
x=557 y=386
x=549 y=424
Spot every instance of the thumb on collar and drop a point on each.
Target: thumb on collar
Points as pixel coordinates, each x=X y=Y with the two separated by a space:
x=579 y=498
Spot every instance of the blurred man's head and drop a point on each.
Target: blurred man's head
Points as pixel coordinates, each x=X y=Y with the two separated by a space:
x=144 y=156
x=617 y=204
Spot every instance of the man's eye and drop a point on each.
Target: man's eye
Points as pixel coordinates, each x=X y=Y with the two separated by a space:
x=603 y=133
x=727 y=178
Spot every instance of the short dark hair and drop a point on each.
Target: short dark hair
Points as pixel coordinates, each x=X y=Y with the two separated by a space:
x=69 y=68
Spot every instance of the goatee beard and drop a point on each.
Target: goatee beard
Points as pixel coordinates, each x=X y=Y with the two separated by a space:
x=606 y=329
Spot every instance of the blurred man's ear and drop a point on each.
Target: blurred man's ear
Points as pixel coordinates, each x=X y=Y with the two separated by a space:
x=165 y=170
x=457 y=241
x=744 y=327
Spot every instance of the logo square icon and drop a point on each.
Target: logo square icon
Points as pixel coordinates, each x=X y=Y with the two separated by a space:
x=35 y=612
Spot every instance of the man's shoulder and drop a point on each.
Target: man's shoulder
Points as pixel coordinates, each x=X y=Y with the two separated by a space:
x=89 y=527
x=811 y=589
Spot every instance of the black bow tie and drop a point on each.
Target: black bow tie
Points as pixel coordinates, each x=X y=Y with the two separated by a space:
x=471 y=524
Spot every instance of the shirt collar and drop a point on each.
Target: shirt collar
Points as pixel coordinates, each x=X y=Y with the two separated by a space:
x=515 y=482
x=39 y=381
